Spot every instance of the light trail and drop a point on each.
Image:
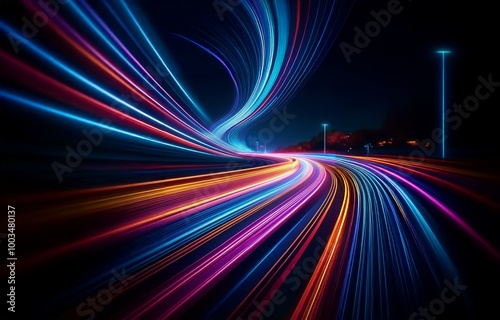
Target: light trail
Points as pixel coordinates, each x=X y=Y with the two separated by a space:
x=376 y=230
x=206 y=229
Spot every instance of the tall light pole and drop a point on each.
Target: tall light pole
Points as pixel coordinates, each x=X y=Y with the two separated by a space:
x=324 y=137
x=368 y=146
x=256 y=146
x=443 y=99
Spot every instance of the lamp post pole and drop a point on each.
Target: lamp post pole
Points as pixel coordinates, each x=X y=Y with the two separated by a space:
x=324 y=137
x=443 y=99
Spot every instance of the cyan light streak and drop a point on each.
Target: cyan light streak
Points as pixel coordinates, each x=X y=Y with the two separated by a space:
x=180 y=86
x=51 y=110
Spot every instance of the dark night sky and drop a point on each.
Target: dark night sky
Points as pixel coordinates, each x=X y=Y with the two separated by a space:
x=397 y=73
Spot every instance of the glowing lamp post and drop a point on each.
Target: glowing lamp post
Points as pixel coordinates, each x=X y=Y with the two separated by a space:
x=368 y=146
x=443 y=55
x=324 y=137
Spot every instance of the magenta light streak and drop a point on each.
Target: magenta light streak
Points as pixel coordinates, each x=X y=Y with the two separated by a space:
x=467 y=228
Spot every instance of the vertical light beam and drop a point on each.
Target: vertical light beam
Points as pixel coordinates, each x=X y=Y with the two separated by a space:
x=443 y=99
x=324 y=137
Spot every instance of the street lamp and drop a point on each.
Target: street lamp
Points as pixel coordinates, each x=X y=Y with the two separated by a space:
x=324 y=137
x=256 y=146
x=443 y=54
x=368 y=146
